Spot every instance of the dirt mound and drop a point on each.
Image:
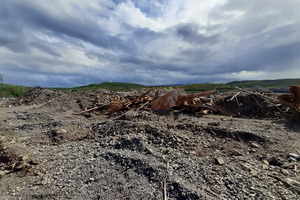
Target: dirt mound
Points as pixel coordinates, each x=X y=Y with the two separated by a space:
x=35 y=96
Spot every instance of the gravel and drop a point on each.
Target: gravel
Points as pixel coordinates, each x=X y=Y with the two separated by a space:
x=48 y=153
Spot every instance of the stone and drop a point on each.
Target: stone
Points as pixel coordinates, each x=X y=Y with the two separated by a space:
x=264 y=166
x=274 y=161
x=285 y=172
x=35 y=162
x=214 y=124
x=253 y=172
x=24 y=157
x=295 y=156
x=265 y=162
x=19 y=165
x=254 y=145
x=291 y=159
x=247 y=167
x=220 y=160
x=61 y=131
x=2 y=173
x=236 y=153
x=293 y=182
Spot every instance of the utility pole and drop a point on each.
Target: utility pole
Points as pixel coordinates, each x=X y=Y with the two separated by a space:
x=1 y=82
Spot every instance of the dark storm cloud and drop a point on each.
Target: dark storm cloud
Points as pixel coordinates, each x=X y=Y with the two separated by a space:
x=102 y=56
x=265 y=59
x=16 y=44
x=139 y=37
x=189 y=32
x=134 y=60
x=194 y=54
x=45 y=49
x=85 y=30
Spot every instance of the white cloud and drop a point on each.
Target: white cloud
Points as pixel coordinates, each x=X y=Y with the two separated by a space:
x=128 y=13
x=189 y=11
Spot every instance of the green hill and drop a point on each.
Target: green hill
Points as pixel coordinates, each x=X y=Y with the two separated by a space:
x=7 y=90
x=279 y=83
x=207 y=86
x=113 y=86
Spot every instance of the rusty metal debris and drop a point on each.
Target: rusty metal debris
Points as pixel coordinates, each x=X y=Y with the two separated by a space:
x=292 y=100
x=151 y=100
x=171 y=99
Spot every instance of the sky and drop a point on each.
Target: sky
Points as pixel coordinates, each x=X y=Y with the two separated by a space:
x=67 y=43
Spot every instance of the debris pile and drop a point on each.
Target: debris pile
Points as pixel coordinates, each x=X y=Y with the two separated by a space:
x=34 y=96
x=151 y=100
x=261 y=104
x=253 y=103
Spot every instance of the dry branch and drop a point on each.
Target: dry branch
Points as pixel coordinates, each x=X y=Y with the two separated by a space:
x=88 y=110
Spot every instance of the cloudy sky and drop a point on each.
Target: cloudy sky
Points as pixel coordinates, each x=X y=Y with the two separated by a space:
x=151 y=42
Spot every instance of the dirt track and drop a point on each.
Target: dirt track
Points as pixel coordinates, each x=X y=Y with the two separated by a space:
x=49 y=153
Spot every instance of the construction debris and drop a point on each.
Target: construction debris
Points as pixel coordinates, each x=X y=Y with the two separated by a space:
x=293 y=98
x=292 y=101
x=244 y=103
x=174 y=99
x=171 y=99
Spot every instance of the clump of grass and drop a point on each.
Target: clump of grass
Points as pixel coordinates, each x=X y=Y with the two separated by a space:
x=7 y=90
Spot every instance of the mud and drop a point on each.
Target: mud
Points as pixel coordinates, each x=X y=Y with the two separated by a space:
x=46 y=152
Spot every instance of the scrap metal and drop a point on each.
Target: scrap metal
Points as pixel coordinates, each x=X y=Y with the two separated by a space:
x=293 y=98
x=292 y=101
x=173 y=99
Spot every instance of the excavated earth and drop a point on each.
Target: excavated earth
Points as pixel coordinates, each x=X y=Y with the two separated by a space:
x=47 y=152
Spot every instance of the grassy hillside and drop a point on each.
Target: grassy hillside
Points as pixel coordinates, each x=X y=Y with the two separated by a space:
x=7 y=90
x=113 y=86
x=207 y=86
x=14 y=90
x=266 y=83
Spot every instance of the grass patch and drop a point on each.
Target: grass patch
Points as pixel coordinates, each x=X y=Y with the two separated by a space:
x=7 y=90
x=113 y=86
x=266 y=83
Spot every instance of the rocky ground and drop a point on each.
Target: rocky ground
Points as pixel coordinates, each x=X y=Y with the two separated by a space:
x=47 y=152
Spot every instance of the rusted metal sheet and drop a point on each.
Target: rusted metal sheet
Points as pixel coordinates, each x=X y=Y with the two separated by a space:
x=174 y=98
x=293 y=98
x=169 y=100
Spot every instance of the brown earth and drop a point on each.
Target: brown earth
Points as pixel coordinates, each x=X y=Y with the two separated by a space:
x=46 y=152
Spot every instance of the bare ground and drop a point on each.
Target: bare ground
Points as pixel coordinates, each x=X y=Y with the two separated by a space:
x=46 y=152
